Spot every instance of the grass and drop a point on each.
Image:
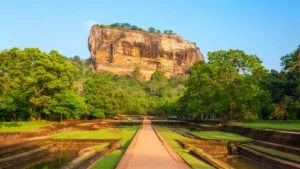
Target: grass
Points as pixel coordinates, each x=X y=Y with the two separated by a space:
x=100 y=146
x=24 y=126
x=96 y=148
x=219 y=135
x=271 y=124
x=170 y=137
x=110 y=161
x=126 y=134
x=274 y=153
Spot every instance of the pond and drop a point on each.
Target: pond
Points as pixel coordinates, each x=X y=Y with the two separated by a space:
x=239 y=162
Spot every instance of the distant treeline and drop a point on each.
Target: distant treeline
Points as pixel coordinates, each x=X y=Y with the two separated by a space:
x=134 y=27
x=231 y=85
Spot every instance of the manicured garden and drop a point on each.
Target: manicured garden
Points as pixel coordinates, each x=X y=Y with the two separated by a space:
x=271 y=124
x=170 y=137
x=23 y=126
x=126 y=133
x=219 y=135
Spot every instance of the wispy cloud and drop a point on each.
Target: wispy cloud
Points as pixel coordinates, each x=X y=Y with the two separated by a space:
x=88 y=24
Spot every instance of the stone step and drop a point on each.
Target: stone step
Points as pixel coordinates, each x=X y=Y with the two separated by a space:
x=279 y=147
x=267 y=159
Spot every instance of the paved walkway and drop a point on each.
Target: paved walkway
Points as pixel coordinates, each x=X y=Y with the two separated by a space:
x=149 y=153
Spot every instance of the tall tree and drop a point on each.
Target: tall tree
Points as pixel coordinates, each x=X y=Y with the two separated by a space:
x=229 y=82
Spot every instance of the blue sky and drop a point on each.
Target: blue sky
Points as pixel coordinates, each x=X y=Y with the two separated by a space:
x=267 y=28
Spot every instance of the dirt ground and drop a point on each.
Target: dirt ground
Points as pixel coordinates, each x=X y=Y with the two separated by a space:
x=150 y=153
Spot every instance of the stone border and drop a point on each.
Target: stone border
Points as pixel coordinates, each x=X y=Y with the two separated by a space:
x=202 y=157
x=266 y=159
x=127 y=155
x=287 y=138
x=11 y=161
x=99 y=155
x=279 y=147
x=172 y=153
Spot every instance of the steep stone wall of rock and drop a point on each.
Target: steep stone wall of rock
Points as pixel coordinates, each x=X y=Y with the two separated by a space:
x=122 y=50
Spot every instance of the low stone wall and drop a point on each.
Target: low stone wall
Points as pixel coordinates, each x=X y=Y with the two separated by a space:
x=211 y=147
x=170 y=123
x=266 y=160
x=274 y=136
x=278 y=147
x=92 y=160
x=204 y=158
x=199 y=127
x=7 y=150
x=9 y=162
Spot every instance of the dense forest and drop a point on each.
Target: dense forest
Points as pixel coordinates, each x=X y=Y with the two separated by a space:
x=230 y=85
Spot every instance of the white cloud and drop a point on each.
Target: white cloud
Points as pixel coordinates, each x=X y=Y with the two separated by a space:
x=88 y=24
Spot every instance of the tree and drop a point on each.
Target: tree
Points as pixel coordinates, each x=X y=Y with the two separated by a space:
x=137 y=74
x=158 y=31
x=134 y=27
x=67 y=104
x=166 y=31
x=127 y=25
x=291 y=61
x=151 y=30
x=32 y=77
x=170 y=32
x=230 y=81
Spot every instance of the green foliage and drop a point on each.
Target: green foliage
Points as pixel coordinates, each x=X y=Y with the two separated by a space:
x=230 y=86
x=291 y=62
x=132 y=27
x=29 y=81
x=98 y=113
x=68 y=104
x=151 y=30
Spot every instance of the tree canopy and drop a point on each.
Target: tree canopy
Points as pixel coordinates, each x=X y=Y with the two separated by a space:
x=231 y=85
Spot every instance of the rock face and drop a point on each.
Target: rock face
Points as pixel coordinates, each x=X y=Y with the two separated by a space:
x=121 y=50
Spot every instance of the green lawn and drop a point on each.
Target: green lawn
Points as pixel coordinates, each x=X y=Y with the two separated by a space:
x=272 y=124
x=100 y=147
x=23 y=126
x=274 y=153
x=110 y=161
x=126 y=133
x=219 y=135
x=170 y=137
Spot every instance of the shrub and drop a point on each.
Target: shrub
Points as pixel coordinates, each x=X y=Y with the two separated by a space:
x=13 y=124
x=98 y=113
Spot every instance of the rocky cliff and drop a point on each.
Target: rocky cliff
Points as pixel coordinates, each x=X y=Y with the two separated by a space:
x=122 y=50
